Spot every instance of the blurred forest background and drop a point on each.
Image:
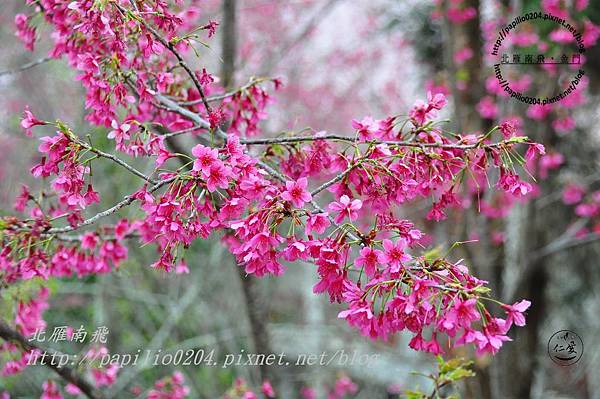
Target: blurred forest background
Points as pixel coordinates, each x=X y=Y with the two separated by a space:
x=338 y=59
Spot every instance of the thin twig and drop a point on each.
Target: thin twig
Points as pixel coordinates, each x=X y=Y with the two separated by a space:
x=161 y=335
x=183 y=131
x=128 y=200
x=174 y=51
x=253 y=82
x=78 y=238
x=116 y=160
x=298 y=139
x=334 y=180
x=567 y=240
x=173 y=106
x=27 y=66
x=194 y=117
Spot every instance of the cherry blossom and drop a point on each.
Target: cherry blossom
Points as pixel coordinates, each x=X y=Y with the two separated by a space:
x=296 y=193
x=346 y=208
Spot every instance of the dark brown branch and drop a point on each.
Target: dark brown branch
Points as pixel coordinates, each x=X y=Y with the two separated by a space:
x=66 y=373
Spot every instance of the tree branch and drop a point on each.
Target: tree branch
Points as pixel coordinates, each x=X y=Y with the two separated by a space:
x=173 y=106
x=183 y=131
x=174 y=51
x=66 y=373
x=334 y=180
x=251 y=83
x=26 y=66
x=116 y=160
x=128 y=200
x=334 y=137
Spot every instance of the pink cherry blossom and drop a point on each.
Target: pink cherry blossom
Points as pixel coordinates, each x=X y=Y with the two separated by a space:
x=206 y=158
x=515 y=313
x=317 y=223
x=50 y=391
x=30 y=121
x=487 y=108
x=369 y=259
x=573 y=194
x=346 y=207
x=394 y=256
x=24 y=31
x=366 y=129
x=296 y=193
x=217 y=176
x=267 y=389
x=120 y=132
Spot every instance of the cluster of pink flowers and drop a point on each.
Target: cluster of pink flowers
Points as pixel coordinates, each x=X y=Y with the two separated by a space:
x=29 y=314
x=246 y=109
x=169 y=388
x=256 y=208
x=28 y=320
x=62 y=158
x=241 y=390
x=51 y=390
x=368 y=128
x=25 y=32
x=424 y=111
x=586 y=205
x=343 y=388
x=97 y=254
x=103 y=376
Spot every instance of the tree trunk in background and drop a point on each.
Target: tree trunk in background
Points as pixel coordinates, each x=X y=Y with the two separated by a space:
x=464 y=35
x=256 y=306
x=521 y=360
x=229 y=42
x=516 y=364
x=481 y=255
x=314 y=316
x=256 y=303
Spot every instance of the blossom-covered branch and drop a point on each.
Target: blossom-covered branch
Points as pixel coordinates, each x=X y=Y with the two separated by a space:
x=335 y=137
x=65 y=372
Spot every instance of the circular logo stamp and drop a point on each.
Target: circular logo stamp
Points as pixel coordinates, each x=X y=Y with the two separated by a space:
x=519 y=52
x=565 y=347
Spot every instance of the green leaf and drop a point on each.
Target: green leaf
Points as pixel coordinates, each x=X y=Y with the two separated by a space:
x=414 y=395
x=433 y=254
x=518 y=139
